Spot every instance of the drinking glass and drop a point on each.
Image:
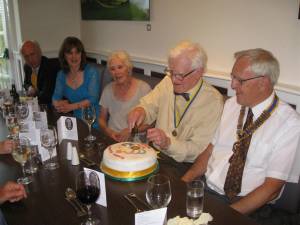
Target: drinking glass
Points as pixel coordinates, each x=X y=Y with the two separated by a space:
x=89 y=116
x=20 y=152
x=88 y=191
x=12 y=125
x=22 y=111
x=194 y=198
x=158 y=193
x=7 y=106
x=49 y=141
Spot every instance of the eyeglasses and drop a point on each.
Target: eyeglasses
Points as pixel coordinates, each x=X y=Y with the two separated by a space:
x=242 y=81
x=178 y=76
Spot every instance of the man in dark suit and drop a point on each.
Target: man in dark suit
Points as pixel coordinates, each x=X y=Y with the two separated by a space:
x=40 y=72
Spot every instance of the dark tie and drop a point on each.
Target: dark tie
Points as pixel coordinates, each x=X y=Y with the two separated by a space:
x=186 y=96
x=234 y=176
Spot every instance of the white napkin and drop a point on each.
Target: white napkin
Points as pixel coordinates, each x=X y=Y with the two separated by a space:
x=69 y=151
x=203 y=219
x=75 y=158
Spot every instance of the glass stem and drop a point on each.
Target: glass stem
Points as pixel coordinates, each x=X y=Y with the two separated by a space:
x=23 y=170
x=50 y=150
x=90 y=130
x=89 y=212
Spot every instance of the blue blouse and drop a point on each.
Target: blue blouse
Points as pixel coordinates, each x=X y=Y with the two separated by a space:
x=88 y=90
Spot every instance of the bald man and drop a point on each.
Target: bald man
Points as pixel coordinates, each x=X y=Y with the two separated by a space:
x=40 y=72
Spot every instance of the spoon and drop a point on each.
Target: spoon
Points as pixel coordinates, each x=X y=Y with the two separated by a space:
x=74 y=205
x=86 y=160
x=70 y=194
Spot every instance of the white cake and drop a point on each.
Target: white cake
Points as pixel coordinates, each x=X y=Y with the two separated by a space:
x=129 y=161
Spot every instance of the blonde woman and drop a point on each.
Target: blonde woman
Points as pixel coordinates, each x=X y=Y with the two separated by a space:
x=120 y=96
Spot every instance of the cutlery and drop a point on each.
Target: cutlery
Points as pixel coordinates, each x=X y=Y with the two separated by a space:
x=69 y=197
x=86 y=160
x=134 y=131
x=71 y=194
x=132 y=203
x=140 y=200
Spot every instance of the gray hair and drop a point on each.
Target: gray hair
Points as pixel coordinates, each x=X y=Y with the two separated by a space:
x=193 y=51
x=32 y=42
x=262 y=63
x=122 y=55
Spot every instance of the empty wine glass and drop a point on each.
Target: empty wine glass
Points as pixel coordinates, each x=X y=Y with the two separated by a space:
x=88 y=191
x=158 y=193
x=21 y=152
x=49 y=141
x=22 y=111
x=89 y=116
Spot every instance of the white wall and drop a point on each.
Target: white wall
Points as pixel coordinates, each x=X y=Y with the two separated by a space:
x=49 y=21
x=221 y=26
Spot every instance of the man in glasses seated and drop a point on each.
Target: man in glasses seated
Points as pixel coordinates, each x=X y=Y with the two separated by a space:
x=254 y=151
x=40 y=72
x=186 y=109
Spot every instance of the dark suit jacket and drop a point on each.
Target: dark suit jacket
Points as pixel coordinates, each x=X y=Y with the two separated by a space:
x=45 y=80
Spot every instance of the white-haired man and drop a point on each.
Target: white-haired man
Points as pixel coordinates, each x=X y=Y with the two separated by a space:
x=254 y=149
x=186 y=109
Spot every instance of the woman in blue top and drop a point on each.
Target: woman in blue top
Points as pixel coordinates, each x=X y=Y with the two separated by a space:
x=77 y=84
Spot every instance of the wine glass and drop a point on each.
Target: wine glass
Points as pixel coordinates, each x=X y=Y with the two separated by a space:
x=89 y=116
x=22 y=111
x=49 y=141
x=88 y=191
x=12 y=125
x=158 y=193
x=21 y=152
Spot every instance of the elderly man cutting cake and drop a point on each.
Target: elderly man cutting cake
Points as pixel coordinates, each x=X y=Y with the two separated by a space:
x=186 y=109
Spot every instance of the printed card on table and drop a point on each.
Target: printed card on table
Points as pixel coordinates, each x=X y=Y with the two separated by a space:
x=153 y=217
x=102 y=198
x=67 y=128
x=40 y=119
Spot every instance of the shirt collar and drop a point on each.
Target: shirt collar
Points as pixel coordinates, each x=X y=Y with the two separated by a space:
x=259 y=108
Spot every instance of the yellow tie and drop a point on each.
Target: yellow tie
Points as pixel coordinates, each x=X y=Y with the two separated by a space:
x=34 y=79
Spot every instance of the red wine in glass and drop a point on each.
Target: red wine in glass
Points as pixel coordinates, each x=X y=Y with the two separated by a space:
x=88 y=194
x=88 y=191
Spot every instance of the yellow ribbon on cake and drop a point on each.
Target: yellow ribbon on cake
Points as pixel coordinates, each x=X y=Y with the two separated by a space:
x=128 y=176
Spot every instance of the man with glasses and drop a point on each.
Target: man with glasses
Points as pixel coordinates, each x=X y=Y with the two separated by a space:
x=186 y=109
x=254 y=151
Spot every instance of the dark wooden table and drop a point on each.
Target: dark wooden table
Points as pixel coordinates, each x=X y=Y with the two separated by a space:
x=46 y=204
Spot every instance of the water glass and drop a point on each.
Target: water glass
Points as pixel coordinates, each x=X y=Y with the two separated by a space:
x=158 y=193
x=194 y=198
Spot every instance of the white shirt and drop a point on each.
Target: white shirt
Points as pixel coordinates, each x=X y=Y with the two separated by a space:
x=272 y=151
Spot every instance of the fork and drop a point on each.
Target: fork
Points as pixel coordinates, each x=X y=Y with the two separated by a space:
x=132 y=203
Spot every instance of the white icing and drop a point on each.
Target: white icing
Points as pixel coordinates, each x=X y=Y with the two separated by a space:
x=129 y=157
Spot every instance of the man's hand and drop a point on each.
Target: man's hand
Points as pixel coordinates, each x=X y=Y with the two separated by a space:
x=6 y=146
x=136 y=117
x=158 y=137
x=12 y=192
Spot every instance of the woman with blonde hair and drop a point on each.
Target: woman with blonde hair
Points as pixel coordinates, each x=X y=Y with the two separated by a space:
x=120 y=96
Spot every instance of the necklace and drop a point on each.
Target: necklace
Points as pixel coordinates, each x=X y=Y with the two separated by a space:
x=242 y=134
x=73 y=77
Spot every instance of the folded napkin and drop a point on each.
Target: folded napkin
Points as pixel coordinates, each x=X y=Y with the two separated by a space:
x=203 y=219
